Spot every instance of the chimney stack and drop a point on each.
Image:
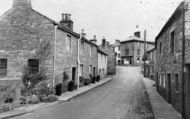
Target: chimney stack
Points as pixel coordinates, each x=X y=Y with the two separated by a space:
x=22 y=3
x=137 y=34
x=66 y=21
x=94 y=40
x=103 y=42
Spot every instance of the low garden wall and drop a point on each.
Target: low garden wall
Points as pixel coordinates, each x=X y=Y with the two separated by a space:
x=10 y=93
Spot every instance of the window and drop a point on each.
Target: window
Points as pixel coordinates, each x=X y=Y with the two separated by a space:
x=99 y=71
x=90 y=69
x=33 y=66
x=81 y=70
x=127 y=51
x=3 y=67
x=119 y=48
x=103 y=71
x=119 y=56
x=91 y=50
x=176 y=82
x=82 y=46
x=160 y=47
x=69 y=42
x=172 y=41
x=138 y=52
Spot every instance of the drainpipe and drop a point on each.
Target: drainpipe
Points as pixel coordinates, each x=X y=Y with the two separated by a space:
x=54 y=54
x=183 y=64
x=78 y=61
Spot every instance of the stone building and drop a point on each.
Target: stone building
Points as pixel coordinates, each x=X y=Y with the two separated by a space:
x=173 y=59
x=150 y=64
x=132 y=50
x=116 y=48
x=28 y=38
x=107 y=48
x=102 y=63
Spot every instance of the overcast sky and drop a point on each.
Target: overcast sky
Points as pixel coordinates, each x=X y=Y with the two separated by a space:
x=114 y=19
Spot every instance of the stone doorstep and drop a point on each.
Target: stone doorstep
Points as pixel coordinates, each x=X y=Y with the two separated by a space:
x=157 y=103
x=31 y=108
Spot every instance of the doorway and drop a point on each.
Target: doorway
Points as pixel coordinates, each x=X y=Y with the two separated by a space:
x=74 y=74
x=187 y=90
x=169 y=88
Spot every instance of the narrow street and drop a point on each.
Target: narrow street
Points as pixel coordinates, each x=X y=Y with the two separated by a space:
x=122 y=98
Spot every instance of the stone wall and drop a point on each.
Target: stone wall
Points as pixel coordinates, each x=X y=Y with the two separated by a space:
x=168 y=62
x=23 y=32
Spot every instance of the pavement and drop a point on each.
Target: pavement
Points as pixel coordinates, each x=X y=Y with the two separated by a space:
x=63 y=98
x=124 y=97
x=161 y=109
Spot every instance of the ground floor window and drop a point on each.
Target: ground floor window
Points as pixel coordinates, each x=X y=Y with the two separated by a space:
x=33 y=66
x=3 y=67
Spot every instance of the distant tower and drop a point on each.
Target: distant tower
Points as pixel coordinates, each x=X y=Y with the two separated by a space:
x=22 y=3
x=66 y=21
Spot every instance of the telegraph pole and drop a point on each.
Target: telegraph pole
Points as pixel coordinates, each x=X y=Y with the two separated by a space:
x=144 y=52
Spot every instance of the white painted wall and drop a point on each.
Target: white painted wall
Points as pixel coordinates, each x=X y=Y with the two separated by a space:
x=102 y=64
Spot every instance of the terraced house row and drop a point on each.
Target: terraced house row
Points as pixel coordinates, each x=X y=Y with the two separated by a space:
x=172 y=67
x=30 y=39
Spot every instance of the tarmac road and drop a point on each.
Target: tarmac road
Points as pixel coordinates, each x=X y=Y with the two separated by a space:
x=124 y=97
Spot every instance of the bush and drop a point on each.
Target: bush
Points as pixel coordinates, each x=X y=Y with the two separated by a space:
x=87 y=81
x=51 y=98
x=81 y=78
x=58 y=89
x=34 y=99
x=98 y=78
x=24 y=100
x=93 y=79
x=42 y=88
x=71 y=86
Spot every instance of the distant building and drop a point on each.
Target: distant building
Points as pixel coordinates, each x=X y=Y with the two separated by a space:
x=173 y=59
x=106 y=47
x=102 y=63
x=151 y=64
x=116 y=48
x=132 y=50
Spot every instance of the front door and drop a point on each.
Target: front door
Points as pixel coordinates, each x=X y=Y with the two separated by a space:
x=74 y=74
x=169 y=88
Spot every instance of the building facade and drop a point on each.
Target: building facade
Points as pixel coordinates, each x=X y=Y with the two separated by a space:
x=107 y=48
x=102 y=63
x=30 y=39
x=132 y=50
x=116 y=48
x=150 y=64
x=173 y=56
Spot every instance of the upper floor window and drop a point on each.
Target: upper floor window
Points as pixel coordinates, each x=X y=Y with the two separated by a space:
x=172 y=41
x=138 y=52
x=69 y=41
x=82 y=46
x=119 y=48
x=33 y=66
x=160 y=47
x=3 y=67
x=91 y=49
x=127 y=51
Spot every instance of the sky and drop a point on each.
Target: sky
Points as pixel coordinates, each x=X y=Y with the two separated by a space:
x=113 y=19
